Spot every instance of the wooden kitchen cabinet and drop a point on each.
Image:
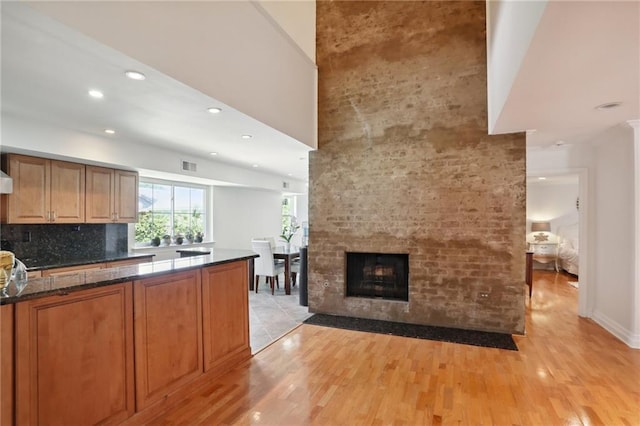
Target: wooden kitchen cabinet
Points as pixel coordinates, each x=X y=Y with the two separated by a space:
x=121 y=352
x=6 y=365
x=112 y=195
x=74 y=357
x=69 y=270
x=34 y=274
x=44 y=191
x=168 y=335
x=132 y=261
x=225 y=314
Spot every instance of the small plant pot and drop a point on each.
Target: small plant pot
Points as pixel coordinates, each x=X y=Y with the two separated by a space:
x=179 y=240
x=155 y=242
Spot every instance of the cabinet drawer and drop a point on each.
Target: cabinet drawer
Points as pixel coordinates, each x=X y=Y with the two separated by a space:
x=543 y=248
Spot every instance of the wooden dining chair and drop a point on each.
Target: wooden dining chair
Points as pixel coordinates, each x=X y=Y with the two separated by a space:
x=264 y=265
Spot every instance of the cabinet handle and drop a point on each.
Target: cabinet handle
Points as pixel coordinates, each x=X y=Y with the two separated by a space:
x=53 y=216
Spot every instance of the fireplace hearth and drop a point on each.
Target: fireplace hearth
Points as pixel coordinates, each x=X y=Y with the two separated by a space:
x=378 y=275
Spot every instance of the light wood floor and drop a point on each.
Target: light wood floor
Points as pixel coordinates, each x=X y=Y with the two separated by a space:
x=568 y=371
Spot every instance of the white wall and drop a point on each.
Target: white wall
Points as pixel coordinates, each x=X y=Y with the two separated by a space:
x=298 y=19
x=614 y=243
x=554 y=203
x=510 y=29
x=239 y=214
x=228 y=50
x=52 y=142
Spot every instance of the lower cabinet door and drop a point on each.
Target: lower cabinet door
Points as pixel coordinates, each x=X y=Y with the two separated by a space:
x=74 y=358
x=226 y=314
x=168 y=334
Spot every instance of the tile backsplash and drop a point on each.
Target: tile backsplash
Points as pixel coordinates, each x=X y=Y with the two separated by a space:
x=38 y=245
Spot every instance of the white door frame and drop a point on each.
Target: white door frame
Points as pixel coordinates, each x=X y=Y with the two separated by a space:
x=585 y=292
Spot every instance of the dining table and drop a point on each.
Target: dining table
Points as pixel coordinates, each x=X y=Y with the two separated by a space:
x=288 y=254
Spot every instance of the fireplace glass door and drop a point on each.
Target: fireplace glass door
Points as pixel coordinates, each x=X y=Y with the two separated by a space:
x=378 y=275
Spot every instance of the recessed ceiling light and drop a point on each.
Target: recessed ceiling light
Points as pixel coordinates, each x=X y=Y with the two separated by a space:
x=542 y=178
x=135 y=75
x=109 y=131
x=289 y=174
x=214 y=110
x=246 y=136
x=96 y=94
x=608 y=105
x=213 y=153
x=254 y=165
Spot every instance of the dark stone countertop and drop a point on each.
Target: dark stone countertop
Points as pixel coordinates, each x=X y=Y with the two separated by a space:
x=55 y=261
x=40 y=287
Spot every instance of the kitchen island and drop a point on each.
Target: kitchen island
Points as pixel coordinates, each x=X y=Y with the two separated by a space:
x=121 y=344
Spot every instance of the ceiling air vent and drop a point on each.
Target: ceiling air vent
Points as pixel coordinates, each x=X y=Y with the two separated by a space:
x=189 y=167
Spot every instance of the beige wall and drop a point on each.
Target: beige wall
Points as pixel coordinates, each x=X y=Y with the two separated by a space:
x=405 y=165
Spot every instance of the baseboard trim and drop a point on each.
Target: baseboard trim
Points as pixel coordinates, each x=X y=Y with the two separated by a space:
x=626 y=336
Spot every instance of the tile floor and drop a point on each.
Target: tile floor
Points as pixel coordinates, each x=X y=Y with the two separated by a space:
x=272 y=316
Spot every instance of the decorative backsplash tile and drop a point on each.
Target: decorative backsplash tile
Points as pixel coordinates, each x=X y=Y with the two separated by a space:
x=38 y=245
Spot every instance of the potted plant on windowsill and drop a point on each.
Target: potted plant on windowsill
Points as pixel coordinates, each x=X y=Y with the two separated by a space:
x=166 y=239
x=189 y=237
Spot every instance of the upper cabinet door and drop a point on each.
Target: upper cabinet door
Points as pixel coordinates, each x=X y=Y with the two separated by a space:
x=44 y=191
x=126 y=196
x=29 y=202
x=112 y=195
x=67 y=192
x=51 y=191
x=99 y=200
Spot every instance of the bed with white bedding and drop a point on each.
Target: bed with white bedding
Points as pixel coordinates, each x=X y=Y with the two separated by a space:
x=568 y=243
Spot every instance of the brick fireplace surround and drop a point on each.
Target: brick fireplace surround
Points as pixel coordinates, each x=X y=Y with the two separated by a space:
x=405 y=165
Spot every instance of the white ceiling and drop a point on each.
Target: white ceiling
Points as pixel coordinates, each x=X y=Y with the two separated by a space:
x=48 y=69
x=583 y=54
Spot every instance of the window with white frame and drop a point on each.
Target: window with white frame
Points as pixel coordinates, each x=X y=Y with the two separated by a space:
x=169 y=209
x=289 y=221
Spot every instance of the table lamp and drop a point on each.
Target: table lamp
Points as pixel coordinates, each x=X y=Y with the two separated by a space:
x=541 y=228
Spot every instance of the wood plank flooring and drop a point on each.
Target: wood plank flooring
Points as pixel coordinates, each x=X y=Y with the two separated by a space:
x=568 y=371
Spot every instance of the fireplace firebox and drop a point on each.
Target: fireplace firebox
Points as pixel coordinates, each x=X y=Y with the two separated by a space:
x=378 y=275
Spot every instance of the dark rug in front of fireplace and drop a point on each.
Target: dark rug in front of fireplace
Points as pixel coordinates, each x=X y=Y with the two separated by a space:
x=443 y=334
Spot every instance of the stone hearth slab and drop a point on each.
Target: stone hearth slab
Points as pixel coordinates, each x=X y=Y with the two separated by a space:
x=444 y=334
